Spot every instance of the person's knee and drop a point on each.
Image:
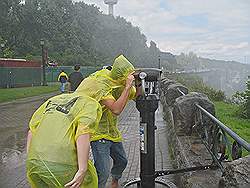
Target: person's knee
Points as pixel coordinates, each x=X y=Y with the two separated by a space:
x=124 y=162
x=102 y=170
x=118 y=168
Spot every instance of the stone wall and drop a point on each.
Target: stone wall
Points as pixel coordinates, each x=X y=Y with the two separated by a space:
x=236 y=174
x=186 y=147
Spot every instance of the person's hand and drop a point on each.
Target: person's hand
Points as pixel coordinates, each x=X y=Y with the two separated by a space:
x=77 y=180
x=130 y=80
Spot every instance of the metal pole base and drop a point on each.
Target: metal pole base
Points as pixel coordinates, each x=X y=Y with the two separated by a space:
x=158 y=180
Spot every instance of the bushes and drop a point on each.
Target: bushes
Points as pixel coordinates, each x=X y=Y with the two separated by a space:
x=247 y=104
x=215 y=95
x=243 y=99
x=196 y=84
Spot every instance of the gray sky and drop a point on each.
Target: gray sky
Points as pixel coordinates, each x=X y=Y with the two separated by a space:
x=217 y=29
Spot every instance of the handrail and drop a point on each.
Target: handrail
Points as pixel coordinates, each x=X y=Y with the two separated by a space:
x=231 y=133
x=236 y=137
x=181 y=91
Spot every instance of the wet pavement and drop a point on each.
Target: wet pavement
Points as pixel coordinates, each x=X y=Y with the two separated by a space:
x=14 y=118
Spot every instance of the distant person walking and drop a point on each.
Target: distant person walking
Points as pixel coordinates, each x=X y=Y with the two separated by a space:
x=75 y=78
x=62 y=78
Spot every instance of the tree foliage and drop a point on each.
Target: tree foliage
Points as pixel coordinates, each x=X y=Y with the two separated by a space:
x=73 y=33
x=243 y=99
x=196 y=84
x=247 y=105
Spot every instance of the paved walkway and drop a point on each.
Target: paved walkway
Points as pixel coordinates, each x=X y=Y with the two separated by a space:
x=14 y=118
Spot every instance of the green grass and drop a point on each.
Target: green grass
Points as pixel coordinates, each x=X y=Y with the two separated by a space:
x=226 y=113
x=18 y=93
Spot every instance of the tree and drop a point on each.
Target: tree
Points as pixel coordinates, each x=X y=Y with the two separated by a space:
x=74 y=32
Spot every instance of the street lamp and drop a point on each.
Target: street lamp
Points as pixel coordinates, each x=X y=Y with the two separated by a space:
x=159 y=62
x=2 y=49
x=43 y=62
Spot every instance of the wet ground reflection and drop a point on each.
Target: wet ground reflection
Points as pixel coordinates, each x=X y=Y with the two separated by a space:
x=12 y=144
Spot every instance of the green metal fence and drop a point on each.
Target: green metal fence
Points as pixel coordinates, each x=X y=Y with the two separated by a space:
x=52 y=73
x=22 y=76
x=18 y=77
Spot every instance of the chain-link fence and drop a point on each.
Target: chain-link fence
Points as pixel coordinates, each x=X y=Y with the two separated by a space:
x=30 y=76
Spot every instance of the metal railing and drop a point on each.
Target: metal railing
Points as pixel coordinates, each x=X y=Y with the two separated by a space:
x=213 y=134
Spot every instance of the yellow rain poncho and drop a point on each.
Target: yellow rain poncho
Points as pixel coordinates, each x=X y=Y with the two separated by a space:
x=55 y=127
x=105 y=84
x=64 y=75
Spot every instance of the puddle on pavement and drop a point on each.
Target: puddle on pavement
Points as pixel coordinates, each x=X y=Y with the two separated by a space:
x=12 y=145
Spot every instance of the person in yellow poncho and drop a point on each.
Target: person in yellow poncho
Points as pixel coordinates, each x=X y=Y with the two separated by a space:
x=62 y=78
x=58 y=140
x=116 y=89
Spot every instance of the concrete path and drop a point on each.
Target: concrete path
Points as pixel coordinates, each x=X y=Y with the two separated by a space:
x=14 y=118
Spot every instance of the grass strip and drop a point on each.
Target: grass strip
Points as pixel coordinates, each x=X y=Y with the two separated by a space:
x=18 y=93
x=226 y=113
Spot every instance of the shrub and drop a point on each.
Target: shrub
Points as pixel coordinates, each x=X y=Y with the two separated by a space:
x=196 y=84
x=243 y=99
x=247 y=103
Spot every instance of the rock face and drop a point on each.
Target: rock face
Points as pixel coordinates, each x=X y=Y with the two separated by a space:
x=187 y=150
x=237 y=174
x=184 y=110
x=166 y=82
x=172 y=92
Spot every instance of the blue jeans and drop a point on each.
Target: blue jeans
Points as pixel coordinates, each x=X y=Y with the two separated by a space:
x=62 y=88
x=102 y=151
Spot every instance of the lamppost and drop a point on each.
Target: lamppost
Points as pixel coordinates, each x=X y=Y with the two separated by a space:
x=43 y=62
x=2 y=49
x=159 y=62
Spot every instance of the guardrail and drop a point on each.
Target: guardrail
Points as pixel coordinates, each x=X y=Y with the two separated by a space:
x=214 y=137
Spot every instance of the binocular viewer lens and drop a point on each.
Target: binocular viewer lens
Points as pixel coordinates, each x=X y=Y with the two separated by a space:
x=148 y=79
x=149 y=74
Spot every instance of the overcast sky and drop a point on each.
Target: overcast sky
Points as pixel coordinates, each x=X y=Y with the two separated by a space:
x=217 y=29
